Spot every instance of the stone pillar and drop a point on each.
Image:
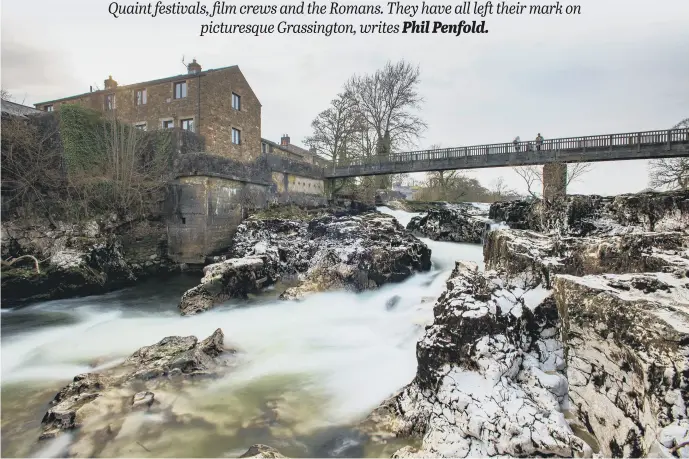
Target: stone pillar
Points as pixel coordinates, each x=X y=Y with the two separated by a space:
x=554 y=180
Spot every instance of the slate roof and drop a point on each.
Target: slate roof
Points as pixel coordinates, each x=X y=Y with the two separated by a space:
x=144 y=83
x=15 y=109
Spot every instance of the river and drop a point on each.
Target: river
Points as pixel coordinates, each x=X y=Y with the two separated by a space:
x=307 y=371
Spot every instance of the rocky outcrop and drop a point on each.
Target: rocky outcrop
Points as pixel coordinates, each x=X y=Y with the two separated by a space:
x=80 y=259
x=97 y=403
x=627 y=350
x=451 y=223
x=599 y=364
x=233 y=278
x=573 y=343
x=262 y=451
x=598 y=215
x=355 y=252
x=535 y=258
x=490 y=379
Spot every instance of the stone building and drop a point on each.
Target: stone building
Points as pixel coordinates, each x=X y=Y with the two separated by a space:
x=218 y=104
x=291 y=151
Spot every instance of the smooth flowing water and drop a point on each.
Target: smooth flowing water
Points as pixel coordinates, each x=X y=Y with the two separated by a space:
x=307 y=372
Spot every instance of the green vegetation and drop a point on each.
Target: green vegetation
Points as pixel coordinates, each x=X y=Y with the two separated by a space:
x=83 y=133
x=77 y=164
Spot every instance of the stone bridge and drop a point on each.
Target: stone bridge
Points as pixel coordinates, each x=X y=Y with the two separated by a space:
x=554 y=154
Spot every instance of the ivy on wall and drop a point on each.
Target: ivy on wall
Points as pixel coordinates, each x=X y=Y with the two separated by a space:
x=83 y=133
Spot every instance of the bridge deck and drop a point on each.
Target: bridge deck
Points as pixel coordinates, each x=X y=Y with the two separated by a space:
x=610 y=147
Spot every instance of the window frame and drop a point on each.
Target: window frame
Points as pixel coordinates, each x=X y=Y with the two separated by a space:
x=170 y=120
x=49 y=108
x=113 y=105
x=182 y=84
x=144 y=97
x=190 y=121
x=239 y=102
x=239 y=136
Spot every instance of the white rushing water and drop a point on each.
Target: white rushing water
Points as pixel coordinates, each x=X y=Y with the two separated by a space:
x=350 y=350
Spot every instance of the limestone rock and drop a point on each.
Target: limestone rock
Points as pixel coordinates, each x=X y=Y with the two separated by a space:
x=490 y=378
x=79 y=259
x=593 y=215
x=536 y=258
x=356 y=252
x=453 y=224
x=262 y=451
x=627 y=343
x=233 y=278
x=93 y=398
x=143 y=400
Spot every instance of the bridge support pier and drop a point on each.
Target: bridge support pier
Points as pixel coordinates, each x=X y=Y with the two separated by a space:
x=554 y=180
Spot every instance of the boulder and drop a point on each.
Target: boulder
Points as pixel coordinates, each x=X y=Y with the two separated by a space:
x=233 y=278
x=453 y=224
x=356 y=252
x=92 y=399
x=627 y=349
x=262 y=451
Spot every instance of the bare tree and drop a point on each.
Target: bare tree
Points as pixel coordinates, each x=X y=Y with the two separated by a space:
x=533 y=176
x=335 y=129
x=501 y=190
x=671 y=173
x=387 y=101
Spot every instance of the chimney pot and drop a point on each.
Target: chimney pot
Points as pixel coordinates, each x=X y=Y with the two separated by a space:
x=110 y=83
x=194 y=67
x=284 y=141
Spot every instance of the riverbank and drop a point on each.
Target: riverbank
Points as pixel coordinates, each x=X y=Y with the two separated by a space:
x=308 y=371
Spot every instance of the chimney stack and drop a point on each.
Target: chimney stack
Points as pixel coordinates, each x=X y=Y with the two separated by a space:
x=194 y=68
x=284 y=141
x=110 y=83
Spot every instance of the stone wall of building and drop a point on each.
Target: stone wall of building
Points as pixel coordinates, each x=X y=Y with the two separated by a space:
x=202 y=214
x=208 y=105
x=290 y=183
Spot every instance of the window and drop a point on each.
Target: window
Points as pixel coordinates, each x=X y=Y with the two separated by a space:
x=140 y=98
x=236 y=136
x=168 y=124
x=236 y=102
x=110 y=102
x=48 y=108
x=181 y=90
x=140 y=126
x=187 y=125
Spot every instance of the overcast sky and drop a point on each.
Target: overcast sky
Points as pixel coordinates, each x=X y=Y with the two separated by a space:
x=620 y=66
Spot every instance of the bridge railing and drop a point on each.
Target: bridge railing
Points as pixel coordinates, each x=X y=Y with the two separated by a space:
x=600 y=143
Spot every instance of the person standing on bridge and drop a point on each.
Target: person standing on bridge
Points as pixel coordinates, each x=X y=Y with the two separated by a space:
x=516 y=143
x=539 y=141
